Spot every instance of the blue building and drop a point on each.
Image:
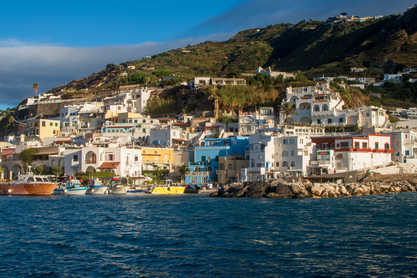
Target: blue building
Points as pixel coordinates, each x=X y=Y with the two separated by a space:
x=202 y=170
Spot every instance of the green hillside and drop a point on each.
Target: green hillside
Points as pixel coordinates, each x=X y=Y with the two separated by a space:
x=383 y=45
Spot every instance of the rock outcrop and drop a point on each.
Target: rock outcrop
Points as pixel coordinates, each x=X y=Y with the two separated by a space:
x=305 y=189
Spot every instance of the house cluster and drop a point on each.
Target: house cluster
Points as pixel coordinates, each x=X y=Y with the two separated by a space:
x=114 y=134
x=344 y=17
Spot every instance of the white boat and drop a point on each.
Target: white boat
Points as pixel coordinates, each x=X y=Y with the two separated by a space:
x=118 y=189
x=136 y=192
x=96 y=188
x=74 y=187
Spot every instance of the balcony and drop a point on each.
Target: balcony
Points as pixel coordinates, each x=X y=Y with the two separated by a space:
x=198 y=174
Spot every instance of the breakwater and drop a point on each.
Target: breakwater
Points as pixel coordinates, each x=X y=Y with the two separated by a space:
x=306 y=189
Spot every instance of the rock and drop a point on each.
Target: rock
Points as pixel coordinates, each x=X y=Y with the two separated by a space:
x=257 y=190
x=317 y=190
x=284 y=191
x=273 y=195
x=299 y=191
x=215 y=194
x=242 y=193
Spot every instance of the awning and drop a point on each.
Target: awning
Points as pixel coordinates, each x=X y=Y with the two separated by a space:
x=8 y=151
x=109 y=165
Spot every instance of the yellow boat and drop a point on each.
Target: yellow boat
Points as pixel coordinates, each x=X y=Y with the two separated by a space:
x=168 y=190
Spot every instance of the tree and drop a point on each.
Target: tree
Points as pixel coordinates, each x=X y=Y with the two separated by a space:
x=36 y=87
x=27 y=157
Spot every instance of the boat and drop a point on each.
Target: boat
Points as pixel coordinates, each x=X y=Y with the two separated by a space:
x=168 y=190
x=118 y=187
x=74 y=187
x=136 y=192
x=97 y=188
x=28 y=185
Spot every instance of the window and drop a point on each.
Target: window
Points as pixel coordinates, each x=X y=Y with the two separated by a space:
x=341 y=120
x=43 y=123
x=56 y=124
x=364 y=146
x=292 y=153
x=357 y=145
x=292 y=141
x=110 y=157
x=285 y=164
x=50 y=124
x=75 y=158
x=376 y=145
x=319 y=122
x=316 y=108
x=285 y=142
x=277 y=164
x=325 y=107
x=292 y=163
x=387 y=147
x=329 y=121
x=284 y=154
x=136 y=158
x=344 y=144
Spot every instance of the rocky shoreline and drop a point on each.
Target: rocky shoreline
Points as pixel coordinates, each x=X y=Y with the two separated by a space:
x=282 y=189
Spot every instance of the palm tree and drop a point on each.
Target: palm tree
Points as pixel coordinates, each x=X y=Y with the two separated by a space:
x=36 y=87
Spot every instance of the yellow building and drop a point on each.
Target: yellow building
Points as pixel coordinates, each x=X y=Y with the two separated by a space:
x=44 y=128
x=154 y=158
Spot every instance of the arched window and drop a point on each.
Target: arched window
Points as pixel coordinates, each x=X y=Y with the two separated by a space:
x=91 y=158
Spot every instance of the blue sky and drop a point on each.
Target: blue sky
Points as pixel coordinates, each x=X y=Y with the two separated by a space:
x=54 y=42
x=98 y=23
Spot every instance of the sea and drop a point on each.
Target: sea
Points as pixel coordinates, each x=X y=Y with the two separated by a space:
x=198 y=236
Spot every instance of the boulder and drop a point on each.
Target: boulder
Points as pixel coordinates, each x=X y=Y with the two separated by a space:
x=284 y=191
x=317 y=190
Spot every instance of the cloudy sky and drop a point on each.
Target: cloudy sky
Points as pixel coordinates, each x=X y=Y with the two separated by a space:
x=53 y=43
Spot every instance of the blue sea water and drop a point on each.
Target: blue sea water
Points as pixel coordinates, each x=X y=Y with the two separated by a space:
x=198 y=236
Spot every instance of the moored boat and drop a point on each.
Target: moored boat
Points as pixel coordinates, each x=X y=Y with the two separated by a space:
x=74 y=187
x=118 y=189
x=29 y=185
x=168 y=190
x=136 y=192
x=96 y=188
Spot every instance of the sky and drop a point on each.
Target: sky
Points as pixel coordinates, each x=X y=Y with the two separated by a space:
x=54 y=42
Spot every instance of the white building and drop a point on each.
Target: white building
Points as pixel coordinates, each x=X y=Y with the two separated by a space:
x=404 y=144
x=274 y=74
x=70 y=120
x=165 y=136
x=319 y=105
x=263 y=118
x=352 y=153
x=273 y=155
x=122 y=161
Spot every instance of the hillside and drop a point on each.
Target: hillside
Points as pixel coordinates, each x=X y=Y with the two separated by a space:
x=383 y=45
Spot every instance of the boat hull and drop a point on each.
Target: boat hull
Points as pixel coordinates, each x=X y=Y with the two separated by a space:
x=98 y=190
x=118 y=190
x=28 y=189
x=76 y=191
x=172 y=190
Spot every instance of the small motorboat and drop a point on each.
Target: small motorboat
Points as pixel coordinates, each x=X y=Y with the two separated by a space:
x=97 y=188
x=136 y=192
x=118 y=187
x=74 y=187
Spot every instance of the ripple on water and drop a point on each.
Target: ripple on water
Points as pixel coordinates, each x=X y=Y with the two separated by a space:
x=203 y=237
